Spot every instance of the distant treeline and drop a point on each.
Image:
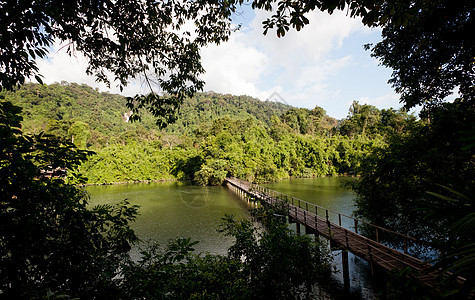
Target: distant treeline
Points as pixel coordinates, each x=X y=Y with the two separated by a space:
x=214 y=136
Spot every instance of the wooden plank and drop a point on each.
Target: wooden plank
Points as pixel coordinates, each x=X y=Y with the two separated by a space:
x=367 y=249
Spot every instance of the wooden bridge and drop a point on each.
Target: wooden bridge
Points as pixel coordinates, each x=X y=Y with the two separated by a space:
x=316 y=219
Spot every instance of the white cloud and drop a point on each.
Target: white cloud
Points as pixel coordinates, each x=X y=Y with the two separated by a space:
x=297 y=65
x=320 y=71
x=61 y=66
x=233 y=67
x=311 y=44
x=305 y=67
x=384 y=101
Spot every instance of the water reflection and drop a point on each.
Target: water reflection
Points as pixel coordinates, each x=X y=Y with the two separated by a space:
x=175 y=209
x=331 y=193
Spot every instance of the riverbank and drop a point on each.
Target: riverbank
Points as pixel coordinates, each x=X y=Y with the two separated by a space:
x=189 y=179
x=135 y=181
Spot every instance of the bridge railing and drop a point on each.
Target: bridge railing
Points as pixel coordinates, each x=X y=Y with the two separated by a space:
x=320 y=210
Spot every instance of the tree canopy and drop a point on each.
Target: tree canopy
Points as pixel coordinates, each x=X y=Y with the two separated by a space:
x=428 y=44
x=257 y=140
x=52 y=242
x=120 y=39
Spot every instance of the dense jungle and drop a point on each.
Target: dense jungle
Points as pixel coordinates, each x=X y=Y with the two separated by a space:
x=414 y=174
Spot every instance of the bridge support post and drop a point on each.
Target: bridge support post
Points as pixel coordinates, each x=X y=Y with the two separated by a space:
x=298 y=227
x=346 y=271
x=371 y=264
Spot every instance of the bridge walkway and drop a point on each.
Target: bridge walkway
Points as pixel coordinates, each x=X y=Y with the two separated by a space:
x=369 y=249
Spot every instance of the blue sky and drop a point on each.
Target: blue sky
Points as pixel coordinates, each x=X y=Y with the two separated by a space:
x=324 y=64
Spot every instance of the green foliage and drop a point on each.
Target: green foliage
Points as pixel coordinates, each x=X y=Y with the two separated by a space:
x=54 y=245
x=253 y=154
x=428 y=45
x=51 y=242
x=391 y=190
x=126 y=39
x=55 y=108
x=369 y=121
x=458 y=257
x=305 y=121
x=242 y=148
x=275 y=263
x=212 y=173
x=401 y=284
x=137 y=161
x=80 y=134
x=49 y=239
x=206 y=107
x=256 y=140
x=188 y=166
x=177 y=273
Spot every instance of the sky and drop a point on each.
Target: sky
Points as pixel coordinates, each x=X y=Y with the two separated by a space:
x=323 y=65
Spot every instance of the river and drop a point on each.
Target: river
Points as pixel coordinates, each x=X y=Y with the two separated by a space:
x=177 y=209
x=331 y=193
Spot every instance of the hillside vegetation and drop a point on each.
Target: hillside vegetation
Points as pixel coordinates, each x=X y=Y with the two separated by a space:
x=214 y=135
x=58 y=107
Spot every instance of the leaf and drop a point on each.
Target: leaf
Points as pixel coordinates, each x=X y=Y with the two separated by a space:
x=455 y=192
x=440 y=196
x=38 y=79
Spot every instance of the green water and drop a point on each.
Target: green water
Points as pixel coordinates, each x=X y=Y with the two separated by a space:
x=175 y=209
x=328 y=192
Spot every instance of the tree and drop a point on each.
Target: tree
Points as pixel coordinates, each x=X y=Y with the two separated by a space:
x=428 y=44
x=212 y=173
x=361 y=119
x=50 y=241
x=120 y=39
x=305 y=121
x=79 y=132
x=395 y=121
x=430 y=50
x=276 y=262
x=395 y=178
x=459 y=254
x=262 y=264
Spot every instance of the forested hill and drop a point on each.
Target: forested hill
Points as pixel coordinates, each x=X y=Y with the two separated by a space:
x=215 y=135
x=57 y=107
x=205 y=107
